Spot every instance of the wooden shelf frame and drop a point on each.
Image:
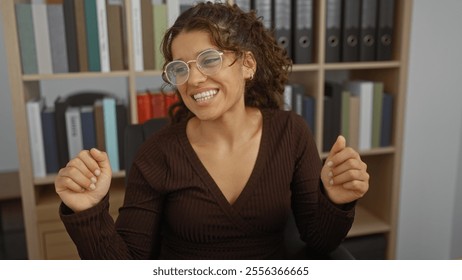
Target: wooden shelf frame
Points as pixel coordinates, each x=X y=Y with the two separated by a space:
x=377 y=212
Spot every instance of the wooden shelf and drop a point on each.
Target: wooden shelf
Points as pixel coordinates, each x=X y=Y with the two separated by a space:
x=376 y=213
x=367 y=223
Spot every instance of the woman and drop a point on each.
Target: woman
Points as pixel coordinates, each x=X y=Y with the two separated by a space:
x=221 y=180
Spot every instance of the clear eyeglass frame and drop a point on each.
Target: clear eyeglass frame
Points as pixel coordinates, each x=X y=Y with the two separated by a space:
x=208 y=62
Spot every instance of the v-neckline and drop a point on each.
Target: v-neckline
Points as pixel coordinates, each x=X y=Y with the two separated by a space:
x=206 y=177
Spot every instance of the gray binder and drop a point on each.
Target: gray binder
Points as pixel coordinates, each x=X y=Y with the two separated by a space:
x=385 y=29
x=302 y=28
x=368 y=30
x=333 y=30
x=282 y=24
x=350 y=30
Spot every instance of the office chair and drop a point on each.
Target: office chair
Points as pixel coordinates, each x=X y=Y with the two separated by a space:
x=136 y=134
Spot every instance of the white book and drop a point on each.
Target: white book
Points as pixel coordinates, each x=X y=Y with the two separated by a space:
x=287 y=95
x=173 y=11
x=137 y=35
x=42 y=38
x=34 y=121
x=365 y=91
x=73 y=131
x=103 y=36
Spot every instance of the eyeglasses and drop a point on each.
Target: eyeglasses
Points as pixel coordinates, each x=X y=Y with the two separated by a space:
x=208 y=62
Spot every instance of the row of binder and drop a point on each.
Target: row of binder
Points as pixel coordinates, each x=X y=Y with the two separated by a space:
x=359 y=30
x=355 y=30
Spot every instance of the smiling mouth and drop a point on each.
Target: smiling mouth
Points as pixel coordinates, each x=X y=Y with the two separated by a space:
x=204 y=96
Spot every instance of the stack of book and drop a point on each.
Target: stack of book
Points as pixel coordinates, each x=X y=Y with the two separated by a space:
x=297 y=100
x=57 y=134
x=154 y=103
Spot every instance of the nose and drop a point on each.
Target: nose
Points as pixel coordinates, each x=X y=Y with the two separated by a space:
x=195 y=75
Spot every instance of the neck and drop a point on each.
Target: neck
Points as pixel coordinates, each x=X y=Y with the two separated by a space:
x=230 y=130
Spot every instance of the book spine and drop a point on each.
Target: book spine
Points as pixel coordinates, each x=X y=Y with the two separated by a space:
x=103 y=39
x=81 y=31
x=34 y=108
x=42 y=37
x=87 y=119
x=91 y=27
x=159 y=13
x=71 y=35
x=115 y=35
x=110 y=131
x=157 y=105
x=137 y=35
x=26 y=36
x=56 y=27
x=49 y=140
x=74 y=131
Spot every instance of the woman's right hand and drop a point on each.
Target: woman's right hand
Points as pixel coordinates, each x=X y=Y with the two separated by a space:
x=85 y=180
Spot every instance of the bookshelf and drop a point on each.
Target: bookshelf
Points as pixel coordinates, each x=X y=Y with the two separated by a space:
x=376 y=213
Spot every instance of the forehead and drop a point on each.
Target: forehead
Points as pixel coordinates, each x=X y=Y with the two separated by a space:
x=188 y=44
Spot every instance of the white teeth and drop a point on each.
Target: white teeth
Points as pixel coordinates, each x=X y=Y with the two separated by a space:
x=206 y=95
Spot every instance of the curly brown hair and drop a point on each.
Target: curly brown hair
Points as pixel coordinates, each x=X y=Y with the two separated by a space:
x=232 y=29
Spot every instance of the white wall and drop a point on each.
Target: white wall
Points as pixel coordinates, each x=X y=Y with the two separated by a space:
x=432 y=137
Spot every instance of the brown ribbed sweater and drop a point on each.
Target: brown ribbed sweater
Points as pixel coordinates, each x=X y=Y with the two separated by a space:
x=174 y=210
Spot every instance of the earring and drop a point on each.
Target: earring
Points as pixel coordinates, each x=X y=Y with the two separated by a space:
x=251 y=77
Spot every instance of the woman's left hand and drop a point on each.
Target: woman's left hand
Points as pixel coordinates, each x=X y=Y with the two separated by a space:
x=344 y=174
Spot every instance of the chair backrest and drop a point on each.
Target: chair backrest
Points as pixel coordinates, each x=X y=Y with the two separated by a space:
x=136 y=134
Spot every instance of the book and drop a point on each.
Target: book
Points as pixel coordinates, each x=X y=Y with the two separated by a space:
x=308 y=111
x=159 y=13
x=353 y=123
x=99 y=125
x=147 y=28
x=287 y=98
x=103 y=38
x=387 y=120
x=87 y=120
x=170 y=98
x=58 y=44
x=245 y=5
x=377 y=114
x=365 y=91
x=115 y=35
x=26 y=36
x=157 y=104
x=70 y=27
x=74 y=131
x=91 y=28
x=143 y=105
x=328 y=139
x=137 y=35
x=81 y=35
x=34 y=108
x=61 y=105
x=49 y=140
x=297 y=98
x=345 y=115
x=110 y=132
x=42 y=38
x=173 y=11
x=334 y=91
